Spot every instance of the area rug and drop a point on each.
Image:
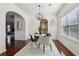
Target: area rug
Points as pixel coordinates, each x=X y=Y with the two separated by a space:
x=29 y=50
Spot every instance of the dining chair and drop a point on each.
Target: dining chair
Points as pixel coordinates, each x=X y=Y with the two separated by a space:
x=44 y=41
x=33 y=41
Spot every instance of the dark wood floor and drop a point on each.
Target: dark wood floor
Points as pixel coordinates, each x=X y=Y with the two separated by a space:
x=62 y=48
x=19 y=44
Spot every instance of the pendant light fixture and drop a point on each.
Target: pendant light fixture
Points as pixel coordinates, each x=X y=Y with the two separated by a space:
x=39 y=15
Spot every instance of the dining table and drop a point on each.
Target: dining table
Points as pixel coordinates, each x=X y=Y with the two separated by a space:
x=36 y=36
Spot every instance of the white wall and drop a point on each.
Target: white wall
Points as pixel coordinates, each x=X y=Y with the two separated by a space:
x=33 y=24
x=4 y=8
x=71 y=45
x=19 y=33
x=52 y=26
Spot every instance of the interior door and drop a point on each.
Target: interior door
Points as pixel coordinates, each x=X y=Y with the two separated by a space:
x=10 y=31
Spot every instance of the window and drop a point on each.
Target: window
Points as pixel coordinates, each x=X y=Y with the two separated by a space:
x=70 y=24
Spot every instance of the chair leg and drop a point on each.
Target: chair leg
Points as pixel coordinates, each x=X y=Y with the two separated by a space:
x=50 y=47
x=31 y=45
x=43 y=49
x=39 y=45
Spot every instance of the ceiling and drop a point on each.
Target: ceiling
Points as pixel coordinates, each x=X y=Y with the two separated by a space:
x=46 y=8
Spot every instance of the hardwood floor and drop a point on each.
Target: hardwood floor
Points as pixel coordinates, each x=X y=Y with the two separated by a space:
x=62 y=48
x=19 y=44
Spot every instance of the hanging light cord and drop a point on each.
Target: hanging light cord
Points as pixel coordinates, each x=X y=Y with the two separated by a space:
x=39 y=8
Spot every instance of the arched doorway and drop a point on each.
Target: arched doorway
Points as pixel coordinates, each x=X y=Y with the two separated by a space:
x=44 y=26
x=15 y=28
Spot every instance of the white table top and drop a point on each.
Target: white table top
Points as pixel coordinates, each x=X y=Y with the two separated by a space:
x=40 y=35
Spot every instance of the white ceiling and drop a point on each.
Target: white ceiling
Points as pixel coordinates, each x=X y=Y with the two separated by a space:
x=32 y=8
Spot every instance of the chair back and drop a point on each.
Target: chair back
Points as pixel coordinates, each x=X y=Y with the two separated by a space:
x=44 y=40
x=31 y=37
